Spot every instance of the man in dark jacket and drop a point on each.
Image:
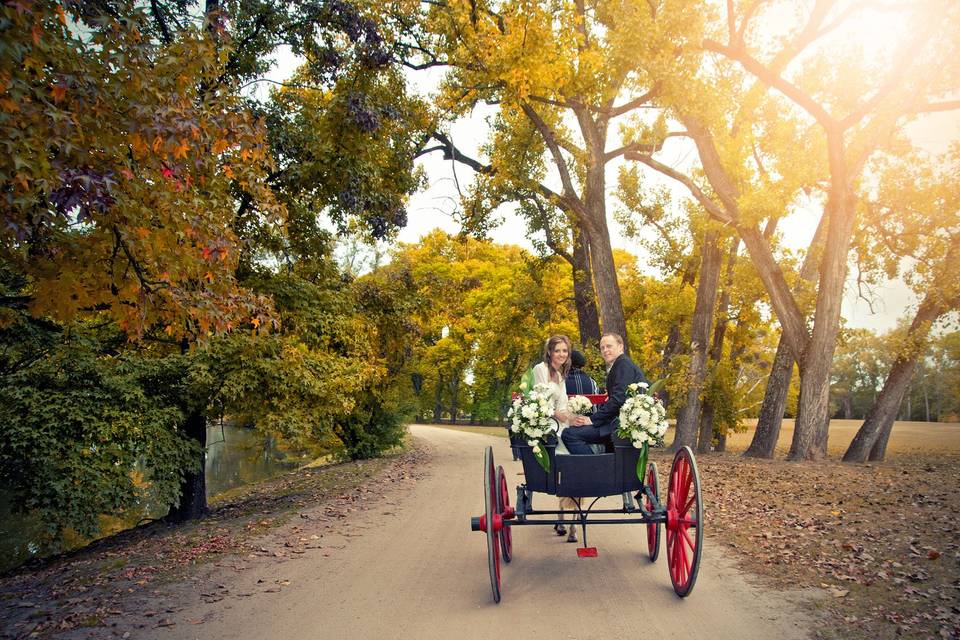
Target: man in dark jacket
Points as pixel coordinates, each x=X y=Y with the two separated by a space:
x=596 y=429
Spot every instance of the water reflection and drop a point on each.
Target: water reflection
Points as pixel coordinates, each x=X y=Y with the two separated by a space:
x=238 y=456
x=235 y=456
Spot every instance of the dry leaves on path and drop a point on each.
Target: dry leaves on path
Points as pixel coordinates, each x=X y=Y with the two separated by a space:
x=881 y=540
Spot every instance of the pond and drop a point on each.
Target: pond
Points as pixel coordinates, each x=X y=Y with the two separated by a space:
x=235 y=456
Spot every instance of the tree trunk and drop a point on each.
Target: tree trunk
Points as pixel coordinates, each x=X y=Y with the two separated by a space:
x=454 y=397
x=716 y=349
x=882 y=413
x=774 y=403
x=604 y=269
x=699 y=335
x=193 y=486
x=781 y=371
x=813 y=418
x=594 y=222
x=437 y=401
x=584 y=296
x=705 y=439
x=871 y=438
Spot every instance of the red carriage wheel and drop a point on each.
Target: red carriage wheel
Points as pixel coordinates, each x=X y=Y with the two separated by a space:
x=653 y=529
x=503 y=506
x=684 y=522
x=491 y=517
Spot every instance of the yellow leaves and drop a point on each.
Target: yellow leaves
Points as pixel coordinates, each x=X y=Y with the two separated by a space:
x=219 y=146
x=208 y=276
x=228 y=171
x=140 y=146
x=157 y=144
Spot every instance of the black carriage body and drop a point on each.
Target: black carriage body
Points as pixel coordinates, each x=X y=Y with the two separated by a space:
x=604 y=474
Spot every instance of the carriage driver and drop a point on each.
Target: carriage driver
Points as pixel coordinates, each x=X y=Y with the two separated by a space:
x=597 y=429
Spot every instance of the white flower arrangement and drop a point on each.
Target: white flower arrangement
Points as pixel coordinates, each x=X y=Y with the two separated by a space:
x=643 y=418
x=643 y=421
x=531 y=418
x=579 y=405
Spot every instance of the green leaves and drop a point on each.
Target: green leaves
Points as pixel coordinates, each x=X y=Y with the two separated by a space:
x=642 y=462
x=542 y=456
x=80 y=436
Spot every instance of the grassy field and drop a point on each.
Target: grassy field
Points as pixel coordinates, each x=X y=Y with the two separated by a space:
x=906 y=438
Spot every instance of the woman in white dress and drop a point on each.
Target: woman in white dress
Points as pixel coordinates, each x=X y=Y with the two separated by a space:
x=552 y=371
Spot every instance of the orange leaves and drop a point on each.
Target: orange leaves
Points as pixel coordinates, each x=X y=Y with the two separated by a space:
x=140 y=147
x=181 y=150
x=58 y=92
x=133 y=147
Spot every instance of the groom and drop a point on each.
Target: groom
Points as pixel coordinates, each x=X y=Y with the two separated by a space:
x=596 y=429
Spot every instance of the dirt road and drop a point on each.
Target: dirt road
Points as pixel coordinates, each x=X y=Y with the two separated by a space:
x=408 y=566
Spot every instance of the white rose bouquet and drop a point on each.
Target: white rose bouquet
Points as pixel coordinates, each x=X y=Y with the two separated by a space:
x=579 y=405
x=531 y=418
x=643 y=421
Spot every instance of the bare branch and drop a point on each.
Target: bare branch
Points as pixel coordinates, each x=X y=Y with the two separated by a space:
x=648 y=149
x=774 y=80
x=635 y=103
x=547 y=133
x=931 y=107
x=715 y=210
x=894 y=80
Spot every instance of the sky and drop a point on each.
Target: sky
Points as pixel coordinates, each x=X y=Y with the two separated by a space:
x=435 y=207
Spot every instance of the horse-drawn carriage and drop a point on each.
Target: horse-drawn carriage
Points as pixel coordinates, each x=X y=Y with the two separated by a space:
x=604 y=474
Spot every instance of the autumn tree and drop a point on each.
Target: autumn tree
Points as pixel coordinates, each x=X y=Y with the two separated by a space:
x=141 y=191
x=851 y=126
x=472 y=352
x=913 y=220
x=561 y=74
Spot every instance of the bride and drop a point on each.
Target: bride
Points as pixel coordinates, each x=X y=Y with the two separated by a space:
x=552 y=371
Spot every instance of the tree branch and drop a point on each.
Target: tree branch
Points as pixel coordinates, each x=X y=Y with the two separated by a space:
x=774 y=80
x=635 y=103
x=715 y=210
x=551 y=141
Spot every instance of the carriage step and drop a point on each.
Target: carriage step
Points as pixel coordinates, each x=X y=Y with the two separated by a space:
x=587 y=552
